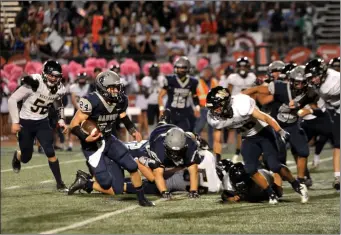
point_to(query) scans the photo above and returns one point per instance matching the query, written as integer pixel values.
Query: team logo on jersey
(222, 94)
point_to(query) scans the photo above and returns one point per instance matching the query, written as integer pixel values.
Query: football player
(104, 106)
(240, 111)
(152, 85)
(327, 84)
(37, 94)
(179, 87)
(77, 90)
(243, 78)
(288, 99)
(284, 75)
(238, 185)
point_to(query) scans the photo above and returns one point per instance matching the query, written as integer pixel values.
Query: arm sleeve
(17, 96)
(60, 108)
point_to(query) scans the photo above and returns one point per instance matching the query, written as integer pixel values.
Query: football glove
(284, 136)
(166, 195)
(193, 194)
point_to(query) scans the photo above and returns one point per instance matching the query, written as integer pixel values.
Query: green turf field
(30, 204)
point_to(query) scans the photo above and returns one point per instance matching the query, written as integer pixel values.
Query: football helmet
(284, 75)
(298, 82)
(175, 144)
(223, 168)
(154, 70)
(52, 73)
(316, 72)
(109, 85)
(82, 78)
(239, 178)
(116, 68)
(218, 101)
(182, 66)
(243, 66)
(275, 67)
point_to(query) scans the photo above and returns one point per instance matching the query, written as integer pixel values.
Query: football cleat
(61, 187)
(304, 193)
(273, 199)
(145, 202)
(336, 183)
(84, 174)
(16, 164)
(80, 183)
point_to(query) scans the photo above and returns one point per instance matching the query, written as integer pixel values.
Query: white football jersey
(207, 172)
(243, 107)
(239, 83)
(79, 91)
(330, 90)
(35, 104)
(154, 87)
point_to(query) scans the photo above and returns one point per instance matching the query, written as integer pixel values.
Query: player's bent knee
(128, 163)
(25, 156)
(49, 152)
(104, 179)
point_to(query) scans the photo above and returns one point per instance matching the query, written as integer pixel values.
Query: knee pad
(128, 163)
(104, 179)
(49, 152)
(26, 156)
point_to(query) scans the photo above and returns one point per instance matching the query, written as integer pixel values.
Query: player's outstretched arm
(257, 89)
(61, 116)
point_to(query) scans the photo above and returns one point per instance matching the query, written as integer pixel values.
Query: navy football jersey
(178, 92)
(101, 112)
(156, 145)
(282, 96)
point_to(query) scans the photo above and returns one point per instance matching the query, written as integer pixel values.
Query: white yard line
(46, 181)
(109, 214)
(44, 165)
(13, 187)
(89, 221)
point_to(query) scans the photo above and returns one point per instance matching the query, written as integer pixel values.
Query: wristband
(77, 131)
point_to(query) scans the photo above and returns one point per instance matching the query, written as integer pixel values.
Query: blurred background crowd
(87, 37)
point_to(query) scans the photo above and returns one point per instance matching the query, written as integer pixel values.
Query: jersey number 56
(40, 107)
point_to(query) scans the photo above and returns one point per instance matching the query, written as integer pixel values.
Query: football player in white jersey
(240, 111)
(38, 93)
(243, 78)
(77, 90)
(327, 84)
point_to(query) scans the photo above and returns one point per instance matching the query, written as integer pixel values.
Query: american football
(90, 127)
(170, 117)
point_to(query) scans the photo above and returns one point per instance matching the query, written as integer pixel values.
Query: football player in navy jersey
(104, 106)
(289, 97)
(180, 87)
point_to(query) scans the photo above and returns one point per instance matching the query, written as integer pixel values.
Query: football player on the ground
(77, 90)
(179, 87)
(240, 111)
(170, 147)
(288, 99)
(38, 93)
(238, 185)
(104, 106)
(243, 78)
(327, 84)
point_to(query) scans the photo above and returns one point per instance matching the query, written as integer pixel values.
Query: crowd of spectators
(153, 29)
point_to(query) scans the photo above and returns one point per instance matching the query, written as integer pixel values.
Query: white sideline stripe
(107, 215)
(310, 163)
(46, 181)
(88, 221)
(42, 165)
(13, 187)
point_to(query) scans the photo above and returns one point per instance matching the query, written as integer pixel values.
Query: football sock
(269, 191)
(140, 193)
(301, 180)
(237, 151)
(296, 186)
(336, 174)
(316, 158)
(54, 166)
(218, 155)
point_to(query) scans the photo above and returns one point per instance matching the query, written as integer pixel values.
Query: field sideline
(30, 204)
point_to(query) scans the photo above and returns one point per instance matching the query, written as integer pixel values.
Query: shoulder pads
(30, 81)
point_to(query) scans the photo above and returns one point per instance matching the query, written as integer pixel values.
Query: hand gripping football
(90, 127)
